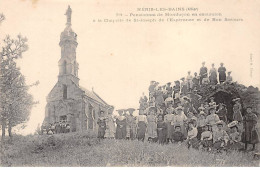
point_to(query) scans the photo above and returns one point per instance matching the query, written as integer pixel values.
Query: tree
(16, 102)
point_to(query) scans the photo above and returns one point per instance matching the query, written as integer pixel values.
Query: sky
(120, 59)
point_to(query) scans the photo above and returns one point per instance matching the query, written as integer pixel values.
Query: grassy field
(86, 150)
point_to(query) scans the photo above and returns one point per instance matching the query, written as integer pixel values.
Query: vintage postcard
(137, 83)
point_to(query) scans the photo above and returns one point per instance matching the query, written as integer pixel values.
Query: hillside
(86, 150)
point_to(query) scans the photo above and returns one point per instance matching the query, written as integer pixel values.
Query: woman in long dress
(121, 125)
(213, 75)
(110, 126)
(141, 122)
(180, 119)
(234, 142)
(101, 125)
(130, 125)
(251, 133)
(169, 121)
(222, 112)
(212, 118)
(237, 116)
(152, 125)
(161, 129)
(222, 73)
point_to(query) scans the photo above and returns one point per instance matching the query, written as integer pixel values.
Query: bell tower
(68, 66)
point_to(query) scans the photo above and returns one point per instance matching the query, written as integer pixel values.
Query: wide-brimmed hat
(177, 125)
(222, 104)
(232, 124)
(201, 108)
(131, 109)
(169, 83)
(120, 110)
(249, 106)
(202, 113)
(186, 98)
(220, 123)
(212, 107)
(183, 78)
(179, 108)
(152, 108)
(236, 99)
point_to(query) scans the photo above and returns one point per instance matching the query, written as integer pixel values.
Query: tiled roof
(93, 95)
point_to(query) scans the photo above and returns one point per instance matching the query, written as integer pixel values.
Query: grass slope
(85, 150)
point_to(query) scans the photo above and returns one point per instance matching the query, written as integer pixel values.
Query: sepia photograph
(111, 83)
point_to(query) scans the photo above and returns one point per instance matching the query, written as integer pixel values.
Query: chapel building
(68, 101)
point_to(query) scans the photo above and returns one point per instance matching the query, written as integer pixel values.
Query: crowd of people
(176, 114)
(54, 128)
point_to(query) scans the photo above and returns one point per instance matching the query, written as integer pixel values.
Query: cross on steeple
(68, 13)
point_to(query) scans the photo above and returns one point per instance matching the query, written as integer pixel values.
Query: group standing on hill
(175, 114)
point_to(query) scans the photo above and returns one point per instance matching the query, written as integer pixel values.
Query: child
(192, 136)
(220, 136)
(177, 136)
(206, 137)
(161, 129)
(234, 137)
(201, 122)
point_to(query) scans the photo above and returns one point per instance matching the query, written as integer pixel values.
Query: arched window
(65, 89)
(65, 67)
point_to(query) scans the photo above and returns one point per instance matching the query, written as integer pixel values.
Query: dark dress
(195, 82)
(169, 90)
(222, 74)
(250, 135)
(177, 137)
(222, 114)
(120, 129)
(159, 97)
(141, 130)
(161, 131)
(101, 127)
(203, 70)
